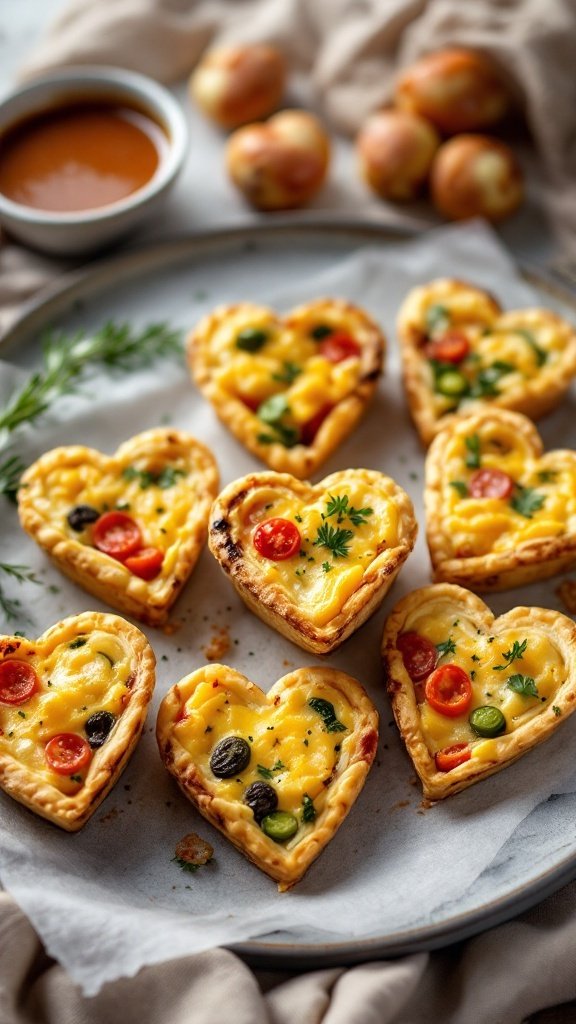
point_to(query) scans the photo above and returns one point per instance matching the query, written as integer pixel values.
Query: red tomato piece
(452, 347)
(67, 753)
(339, 346)
(18, 681)
(451, 757)
(146, 563)
(277, 539)
(418, 654)
(449, 691)
(490, 483)
(117, 535)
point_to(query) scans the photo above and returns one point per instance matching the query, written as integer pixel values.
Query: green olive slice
(280, 826)
(487, 721)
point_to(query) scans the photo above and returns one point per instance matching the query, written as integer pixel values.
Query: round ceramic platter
(182, 279)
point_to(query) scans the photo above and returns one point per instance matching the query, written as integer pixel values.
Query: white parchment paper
(110, 899)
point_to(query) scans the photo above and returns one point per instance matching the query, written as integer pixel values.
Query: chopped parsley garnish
(527, 501)
(473, 451)
(460, 487)
(437, 319)
(308, 809)
(485, 385)
(271, 412)
(22, 714)
(335, 539)
(288, 373)
(78, 642)
(516, 652)
(327, 566)
(326, 711)
(321, 331)
(540, 353)
(297, 518)
(251, 339)
(524, 685)
(268, 773)
(337, 505)
(446, 647)
(164, 479)
(557, 711)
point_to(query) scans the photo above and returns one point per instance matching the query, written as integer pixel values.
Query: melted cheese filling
(75, 682)
(494, 340)
(254, 377)
(288, 739)
(478, 526)
(315, 579)
(161, 513)
(478, 653)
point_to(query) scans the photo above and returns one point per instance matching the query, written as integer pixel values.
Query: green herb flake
(78, 642)
(251, 339)
(547, 476)
(268, 773)
(460, 487)
(22, 714)
(540, 354)
(321, 331)
(327, 713)
(446, 647)
(516, 652)
(308, 809)
(327, 566)
(473, 451)
(288, 373)
(557, 711)
(75, 778)
(298, 518)
(437, 319)
(524, 685)
(526, 501)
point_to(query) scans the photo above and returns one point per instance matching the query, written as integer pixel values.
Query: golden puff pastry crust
(499, 512)
(460, 352)
(310, 740)
(521, 671)
(290, 389)
(163, 480)
(313, 561)
(92, 676)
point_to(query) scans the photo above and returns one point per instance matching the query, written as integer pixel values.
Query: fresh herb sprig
(11, 607)
(327, 713)
(338, 505)
(335, 539)
(526, 501)
(516, 652)
(446, 647)
(11, 470)
(473, 454)
(69, 360)
(525, 685)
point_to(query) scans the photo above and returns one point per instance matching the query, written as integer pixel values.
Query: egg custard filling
(72, 706)
(276, 773)
(460, 349)
(276, 382)
(306, 552)
(142, 513)
(470, 690)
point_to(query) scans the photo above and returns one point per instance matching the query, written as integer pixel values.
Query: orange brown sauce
(79, 157)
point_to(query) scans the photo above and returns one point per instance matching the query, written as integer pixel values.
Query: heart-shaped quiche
(499, 513)
(313, 562)
(471, 693)
(72, 707)
(460, 350)
(129, 527)
(289, 389)
(277, 773)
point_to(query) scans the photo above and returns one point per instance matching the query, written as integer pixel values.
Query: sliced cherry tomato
(67, 753)
(117, 535)
(451, 757)
(449, 691)
(418, 654)
(146, 563)
(452, 347)
(312, 426)
(277, 539)
(18, 681)
(339, 346)
(490, 483)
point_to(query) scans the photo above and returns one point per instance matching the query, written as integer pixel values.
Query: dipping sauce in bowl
(80, 157)
(86, 154)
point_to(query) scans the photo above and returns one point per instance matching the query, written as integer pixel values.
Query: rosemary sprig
(11, 470)
(66, 361)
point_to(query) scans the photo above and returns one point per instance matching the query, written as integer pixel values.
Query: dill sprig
(11, 607)
(11, 470)
(335, 539)
(337, 505)
(67, 360)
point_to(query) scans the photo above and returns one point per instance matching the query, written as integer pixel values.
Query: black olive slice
(261, 798)
(229, 757)
(81, 516)
(98, 727)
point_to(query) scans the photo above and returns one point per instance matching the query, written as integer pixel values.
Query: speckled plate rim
(117, 269)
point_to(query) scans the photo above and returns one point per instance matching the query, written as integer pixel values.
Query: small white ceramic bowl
(85, 231)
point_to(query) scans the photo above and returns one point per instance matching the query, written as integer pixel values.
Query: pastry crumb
(172, 627)
(567, 594)
(192, 851)
(219, 644)
(399, 804)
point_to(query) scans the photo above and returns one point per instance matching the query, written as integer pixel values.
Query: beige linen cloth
(526, 969)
